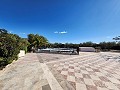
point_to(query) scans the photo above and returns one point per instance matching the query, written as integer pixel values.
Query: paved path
(87, 71)
(24, 74)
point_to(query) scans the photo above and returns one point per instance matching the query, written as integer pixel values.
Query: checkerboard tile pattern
(91, 73)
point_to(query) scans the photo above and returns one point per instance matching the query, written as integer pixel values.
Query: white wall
(21, 54)
(87, 49)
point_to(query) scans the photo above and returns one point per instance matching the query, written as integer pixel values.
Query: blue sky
(62, 21)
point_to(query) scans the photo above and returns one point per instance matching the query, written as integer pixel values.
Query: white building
(87, 49)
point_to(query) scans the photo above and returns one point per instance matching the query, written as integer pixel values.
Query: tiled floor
(89, 71)
(42, 71)
(24, 74)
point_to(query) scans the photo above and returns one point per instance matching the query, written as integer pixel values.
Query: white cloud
(56, 32)
(63, 32)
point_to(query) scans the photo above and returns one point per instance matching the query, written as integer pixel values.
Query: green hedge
(10, 46)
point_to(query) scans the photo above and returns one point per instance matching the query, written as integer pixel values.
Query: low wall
(22, 53)
(87, 49)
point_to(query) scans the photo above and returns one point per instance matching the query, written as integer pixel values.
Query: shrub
(24, 44)
(10, 45)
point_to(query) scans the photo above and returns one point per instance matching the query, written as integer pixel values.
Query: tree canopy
(37, 41)
(10, 46)
(116, 38)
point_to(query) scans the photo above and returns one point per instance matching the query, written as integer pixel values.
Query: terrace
(87, 71)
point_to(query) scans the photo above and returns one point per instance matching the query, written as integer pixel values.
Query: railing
(58, 50)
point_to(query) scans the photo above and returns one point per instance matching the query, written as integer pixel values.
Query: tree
(117, 38)
(9, 48)
(87, 44)
(10, 45)
(24, 44)
(107, 45)
(37, 41)
(3, 31)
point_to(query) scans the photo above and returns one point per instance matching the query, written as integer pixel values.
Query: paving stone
(73, 84)
(114, 80)
(89, 69)
(71, 73)
(59, 68)
(99, 84)
(99, 88)
(110, 85)
(79, 75)
(91, 87)
(116, 76)
(71, 70)
(103, 78)
(71, 78)
(80, 86)
(99, 73)
(64, 72)
(79, 80)
(89, 82)
(94, 77)
(77, 68)
(84, 72)
(46, 87)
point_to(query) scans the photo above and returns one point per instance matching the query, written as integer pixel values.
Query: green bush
(24, 45)
(10, 46)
